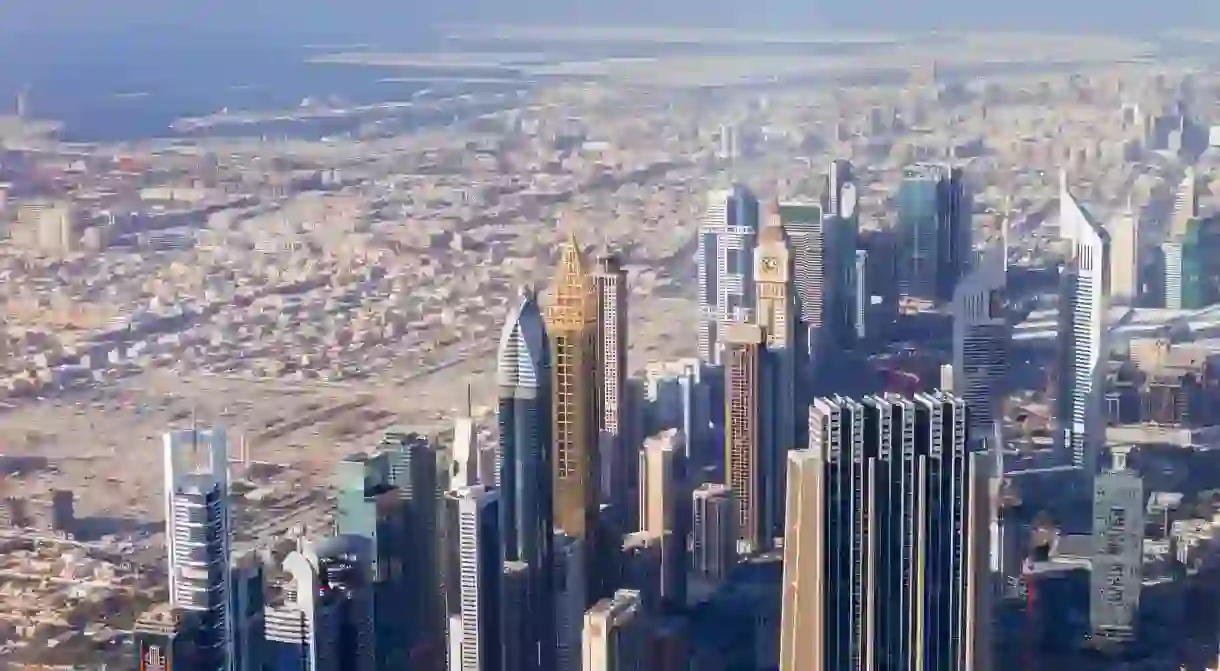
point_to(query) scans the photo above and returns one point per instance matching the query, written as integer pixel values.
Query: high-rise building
(614, 634)
(813, 285)
(981, 340)
(664, 495)
(775, 313)
(840, 198)
(1171, 254)
(811, 270)
(610, 282)
(934, 217)
(680, 395)
(1118, 558)
(414, 472)
(1088, 292)
(713, 533)
(642, 567)
(475, 574)
(370, 507)
(885, 554)
(520, 650)
(861, 301)
(525, 381)
(571, 322)
(247, 582)
(1125, 278)
(1185, 204)
(198, 537)
(726, 270)
(744, 464)
(164, 639)
(324, 618)
(571, 597)
(466, 455)
(842, 223)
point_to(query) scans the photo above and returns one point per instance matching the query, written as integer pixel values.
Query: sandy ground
(105, 444)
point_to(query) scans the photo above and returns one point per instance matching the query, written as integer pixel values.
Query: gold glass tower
(571, 321)
(744, 469)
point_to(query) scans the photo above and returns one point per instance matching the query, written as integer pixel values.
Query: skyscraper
(571, 322)
(413, 472)
(842, 223)
(571, 597)
(475, 575)
(934, 217)
(1088, 293)
(861, 298)
(610, 281)
(372, 508)
(1118, 558)
(613, 634)
(775, 314)
(981, 340)
(813, 286)
(885, 555)
(713, 533)
(725, 262)
(198, 537)
(325, 621)
(525, 382)
(840, 198)
(247, 583)
(744, 464)
(1171, 254)
(164, 639)
(1125, 257)
(1185, 204)
(664, 496)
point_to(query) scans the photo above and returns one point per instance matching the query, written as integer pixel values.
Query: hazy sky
(390, 20)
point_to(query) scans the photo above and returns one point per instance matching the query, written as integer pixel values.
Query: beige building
(47, 226)
(1124, 258)
(614, 634)
(663, 495)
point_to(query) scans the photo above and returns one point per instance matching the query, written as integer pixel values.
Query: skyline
(384, 20)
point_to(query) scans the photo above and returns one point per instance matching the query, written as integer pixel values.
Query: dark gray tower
(523, 373)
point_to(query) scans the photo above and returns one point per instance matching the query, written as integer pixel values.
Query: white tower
(1088, 300)
(197, 529)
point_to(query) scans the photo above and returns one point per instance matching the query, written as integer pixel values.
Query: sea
(120, 87)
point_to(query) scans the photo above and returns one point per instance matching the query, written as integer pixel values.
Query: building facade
(198, 537)
(744, 464)
(617, 463)
(1084, 315)
(525, 382)
(571, 322)
(981, 341)
(613, 636)
(725, 265)
(885, 555)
